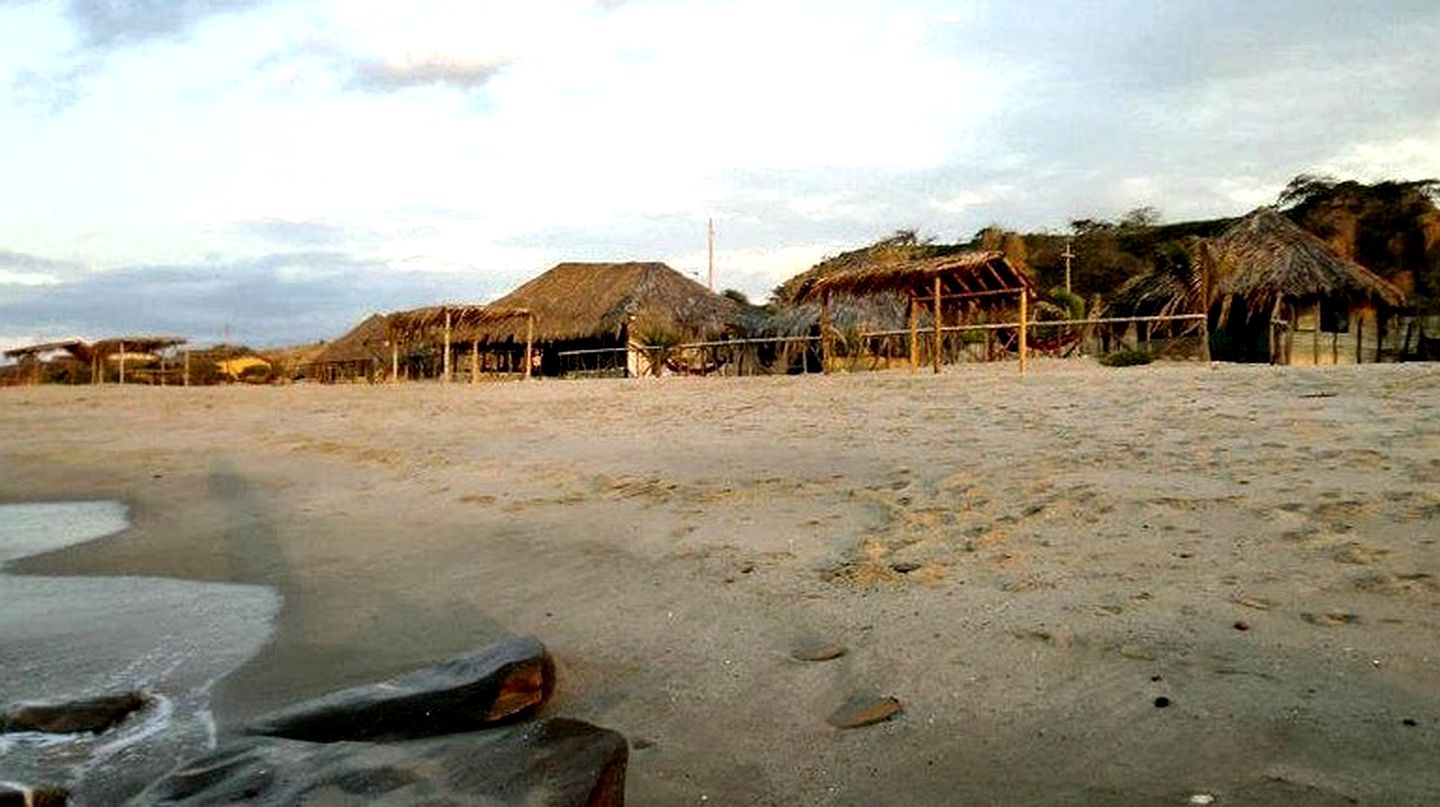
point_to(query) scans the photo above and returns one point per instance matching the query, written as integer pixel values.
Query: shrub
(1126, 358)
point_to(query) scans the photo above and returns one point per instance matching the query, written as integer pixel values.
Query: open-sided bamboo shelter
(606, 311)
(1282, 295)
(425, 339)
(954, 288)
(121, 358)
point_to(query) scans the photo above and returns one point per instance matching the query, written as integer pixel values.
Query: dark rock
(817, 650)
(16, 795)
(505, 681)
(905, 566)
(1162, 702)
(863, 710)
(68, 717)
(549, 762)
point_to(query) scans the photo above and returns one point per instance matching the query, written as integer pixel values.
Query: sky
(272, 171)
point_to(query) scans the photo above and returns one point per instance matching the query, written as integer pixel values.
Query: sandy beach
(1029, 565)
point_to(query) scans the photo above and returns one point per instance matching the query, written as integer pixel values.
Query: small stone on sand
(863, 710)
(817, 650)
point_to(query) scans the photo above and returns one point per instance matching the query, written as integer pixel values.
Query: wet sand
(1255, 545)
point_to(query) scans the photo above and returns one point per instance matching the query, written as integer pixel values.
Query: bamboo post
(1024, 315)
(825, 332)
(187, 367)
(914, 334)
(122, 362)
(529, 342)
(394, 362)
(474, 362)
(445, 361)
(1204, 309)
(1315, 337)
(1360, 337)
(935, 361)
(94, 367)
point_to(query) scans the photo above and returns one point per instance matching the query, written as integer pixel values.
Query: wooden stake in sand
(187, 368)
(475, 362)
(122, 360)
(914, 334)
(446, 361)
(938, 323)
(825, 332)
(1024, 314)
(1315, 337)
(394, 362)
(529, 341)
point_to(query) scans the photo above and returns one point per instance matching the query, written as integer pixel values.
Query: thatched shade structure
(1267, 270)
(606, 306)
(95, 354)
(976, 279)
(583, 301)
(445, 325)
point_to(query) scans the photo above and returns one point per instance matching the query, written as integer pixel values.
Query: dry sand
(1079, 544)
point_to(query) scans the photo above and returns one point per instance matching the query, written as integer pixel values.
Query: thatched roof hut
(1265, 257)
(582, 301)
(1260, 281)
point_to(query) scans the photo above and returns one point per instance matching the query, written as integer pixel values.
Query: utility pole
(1068, 254)
(710, 248)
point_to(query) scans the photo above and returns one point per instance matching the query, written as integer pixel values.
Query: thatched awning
(467, 323)
(1265, 256)
(86, 351)
(45, 347)
(968, 273)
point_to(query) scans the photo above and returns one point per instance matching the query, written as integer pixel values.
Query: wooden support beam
(122, 361)
(1315, 337)
(446, 361)
(475, 362)
(914, 334)
(1359, 327)
(938, 325)
(394, 362)
(1204, 310)
(1024, 317)
(529, 342)
(187, 367)
(825, 332)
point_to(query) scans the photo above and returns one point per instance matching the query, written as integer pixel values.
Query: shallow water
(64, 637)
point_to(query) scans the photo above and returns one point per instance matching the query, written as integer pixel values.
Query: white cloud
(11, 277)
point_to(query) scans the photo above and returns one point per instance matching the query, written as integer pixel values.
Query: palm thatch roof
(86, 351)
(364, 342)
(597, 300)
(962, 273)
(45, 347)
(467, 323)
(1265, 256)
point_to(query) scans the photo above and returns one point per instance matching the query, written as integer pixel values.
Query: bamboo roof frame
(967, 274)
(466, 323)
(87, 351)
(983, 276)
